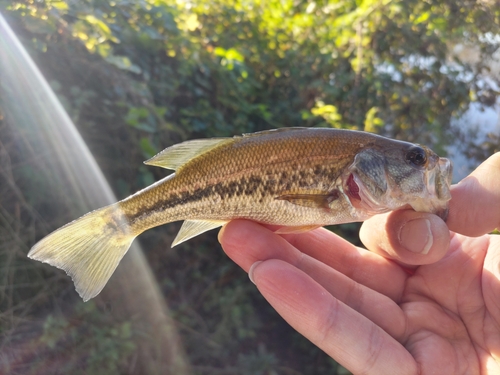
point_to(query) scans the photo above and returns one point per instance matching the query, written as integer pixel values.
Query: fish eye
(416, 156)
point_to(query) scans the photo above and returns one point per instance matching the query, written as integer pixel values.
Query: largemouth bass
(298, 178)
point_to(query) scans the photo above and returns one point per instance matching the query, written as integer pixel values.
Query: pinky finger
(347, 336)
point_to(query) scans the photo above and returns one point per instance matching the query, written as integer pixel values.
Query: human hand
(423, 300)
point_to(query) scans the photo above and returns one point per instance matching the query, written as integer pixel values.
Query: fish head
(395, 175)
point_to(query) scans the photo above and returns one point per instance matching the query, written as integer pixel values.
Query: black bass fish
(299, 178)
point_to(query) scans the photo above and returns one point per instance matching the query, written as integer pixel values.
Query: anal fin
(192, 228)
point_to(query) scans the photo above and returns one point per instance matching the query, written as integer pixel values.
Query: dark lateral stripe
(271, 184)
(225, 190)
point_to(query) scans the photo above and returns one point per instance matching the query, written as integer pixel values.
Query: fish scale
(254, 174)
(299, 178)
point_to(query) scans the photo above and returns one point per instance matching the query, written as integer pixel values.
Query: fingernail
(416, 236)
(252, 268)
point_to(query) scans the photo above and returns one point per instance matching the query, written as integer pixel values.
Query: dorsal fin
(273, 131)
(177, 155)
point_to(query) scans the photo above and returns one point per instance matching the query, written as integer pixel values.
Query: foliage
(224, 67)
(138, 76)
(98, 347)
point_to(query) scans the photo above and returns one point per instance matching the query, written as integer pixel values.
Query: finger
(344, 334)
(475, 203)
(409, 237)
(375, 306)
(491, 277)
(378, 308)
(364, 267)
(246, 242)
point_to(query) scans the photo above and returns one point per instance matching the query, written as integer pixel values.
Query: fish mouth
(443, 188)
(438, 188)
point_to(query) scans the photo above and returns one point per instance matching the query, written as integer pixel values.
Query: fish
(296, 178)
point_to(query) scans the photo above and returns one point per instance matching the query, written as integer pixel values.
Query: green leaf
(328, 112)
(123, 62)
(100, 24)
(373, 123)
(60, 5)
(148, 150)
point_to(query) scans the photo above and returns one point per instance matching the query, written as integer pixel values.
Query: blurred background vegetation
(137, 76)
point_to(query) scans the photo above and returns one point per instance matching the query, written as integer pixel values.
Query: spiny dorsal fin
(177, 155)
(278, 130)
(192, 228)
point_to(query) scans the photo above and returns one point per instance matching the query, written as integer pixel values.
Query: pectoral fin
(192, 228)
(311, 200)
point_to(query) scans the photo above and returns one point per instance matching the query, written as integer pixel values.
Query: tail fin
(88, 249)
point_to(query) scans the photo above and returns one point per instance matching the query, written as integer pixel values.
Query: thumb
(475, 202)
(406, 236)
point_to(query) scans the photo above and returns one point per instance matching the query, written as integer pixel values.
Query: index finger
(369, 269)
(349, 337)
(247, 242)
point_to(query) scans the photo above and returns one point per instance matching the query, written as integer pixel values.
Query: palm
(438, 318)
(450, 309)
